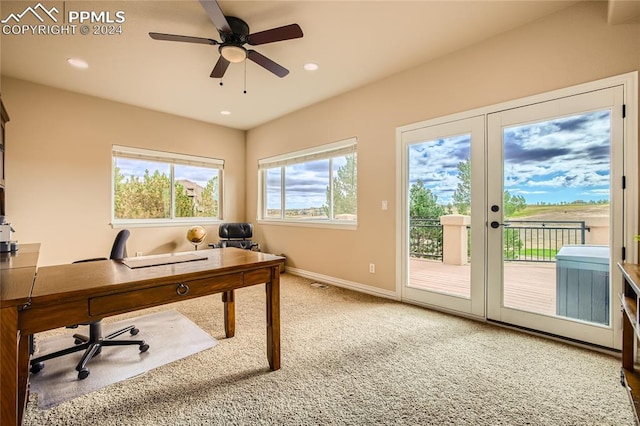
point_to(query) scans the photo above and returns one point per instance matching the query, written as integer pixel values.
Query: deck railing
(524, 240)
(425, 238)
(540, 241)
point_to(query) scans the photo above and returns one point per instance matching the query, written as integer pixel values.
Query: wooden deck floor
(529, 286)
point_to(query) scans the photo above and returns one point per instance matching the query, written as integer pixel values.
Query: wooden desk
(629, 375)
(85, 292)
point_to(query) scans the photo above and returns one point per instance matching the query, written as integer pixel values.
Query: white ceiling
(354, 43)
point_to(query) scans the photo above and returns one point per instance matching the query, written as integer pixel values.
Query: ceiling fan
(234, 33)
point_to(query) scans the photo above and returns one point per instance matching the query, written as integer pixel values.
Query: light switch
(385, 205)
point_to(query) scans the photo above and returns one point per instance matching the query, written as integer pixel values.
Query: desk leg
(9, 366)
(273, 319)
(23, 374)
(229, 313)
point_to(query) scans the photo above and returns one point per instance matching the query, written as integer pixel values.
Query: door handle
(496, 224)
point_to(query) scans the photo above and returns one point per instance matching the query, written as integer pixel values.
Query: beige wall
(567, 48)
(58, 172)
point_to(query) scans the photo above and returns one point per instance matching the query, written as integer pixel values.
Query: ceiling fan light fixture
(233, 54)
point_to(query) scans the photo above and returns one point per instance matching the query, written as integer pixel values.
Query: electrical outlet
(372, 268)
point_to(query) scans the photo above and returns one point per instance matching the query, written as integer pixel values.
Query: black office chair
(92, 344)
(236, 235)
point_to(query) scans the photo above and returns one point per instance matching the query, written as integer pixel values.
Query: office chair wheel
(83, 374)
(144, 347)
(134, 331)
(37, 367)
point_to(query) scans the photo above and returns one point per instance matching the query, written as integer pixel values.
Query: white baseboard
(362, 288)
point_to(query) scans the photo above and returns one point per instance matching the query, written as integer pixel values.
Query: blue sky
(564, 159)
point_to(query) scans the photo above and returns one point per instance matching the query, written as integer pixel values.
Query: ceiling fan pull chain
(245, 77)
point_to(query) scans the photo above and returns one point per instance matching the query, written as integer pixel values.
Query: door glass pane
(439, 215)
(556, 216)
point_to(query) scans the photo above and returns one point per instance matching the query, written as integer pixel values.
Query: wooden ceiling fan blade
(267, 63)
(220, 68)
(216, 15)
(287, 32)
(186, 39)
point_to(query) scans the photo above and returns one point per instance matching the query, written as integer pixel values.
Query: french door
(443, 264)
(553, 270)
(516, 214)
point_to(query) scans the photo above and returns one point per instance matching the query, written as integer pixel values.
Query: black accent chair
(236, 235)
(92, 344)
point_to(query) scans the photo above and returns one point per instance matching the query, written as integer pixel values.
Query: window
(161, 187)
(313, 185)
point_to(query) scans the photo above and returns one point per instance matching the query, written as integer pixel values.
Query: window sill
(331, 224)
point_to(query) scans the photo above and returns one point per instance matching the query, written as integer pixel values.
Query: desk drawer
(258, 276)
(127, 301)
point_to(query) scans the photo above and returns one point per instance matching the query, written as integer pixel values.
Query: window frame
(172, 159)
(323, 152)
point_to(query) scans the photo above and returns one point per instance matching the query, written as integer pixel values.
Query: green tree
(513, 203)
(423, 204)
(118, 196)
(209, 202)
(185, 206)
(144, 198)
(462, 195)
(425, 239)
(149, 197)
(345, 189)
(153, 194)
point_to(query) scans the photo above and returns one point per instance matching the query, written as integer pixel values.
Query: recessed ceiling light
(311, 66)
(78, 63)
(225, 112)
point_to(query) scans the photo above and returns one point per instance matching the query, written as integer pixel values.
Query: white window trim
(334, 149)
(167, 157)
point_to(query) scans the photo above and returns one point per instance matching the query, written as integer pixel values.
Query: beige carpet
(169, 334)
(354, 359)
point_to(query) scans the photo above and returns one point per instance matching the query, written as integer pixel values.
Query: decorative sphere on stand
(196, 235)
